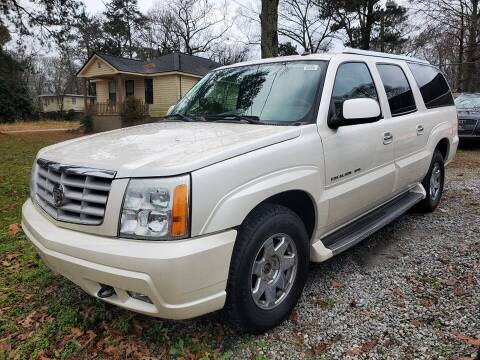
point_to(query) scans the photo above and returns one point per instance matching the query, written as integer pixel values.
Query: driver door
(359, 159)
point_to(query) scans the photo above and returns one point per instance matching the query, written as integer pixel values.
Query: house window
(112, 91)
(74, 100)
(149, 91)
(129, 88)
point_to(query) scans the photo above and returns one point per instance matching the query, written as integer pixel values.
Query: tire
(433, 184)
(268, 224)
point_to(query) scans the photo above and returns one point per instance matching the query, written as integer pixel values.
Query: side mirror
(357, 111)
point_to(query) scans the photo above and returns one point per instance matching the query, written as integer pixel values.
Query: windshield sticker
(310, 68)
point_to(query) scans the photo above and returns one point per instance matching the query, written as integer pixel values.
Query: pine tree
(123, 21)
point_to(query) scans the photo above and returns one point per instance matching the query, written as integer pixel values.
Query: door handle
(420, 130)
(387, 138)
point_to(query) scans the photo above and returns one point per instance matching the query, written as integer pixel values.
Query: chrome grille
(83, 192)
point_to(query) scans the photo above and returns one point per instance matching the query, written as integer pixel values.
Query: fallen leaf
(293, 317)
(9, 207)
(336, 284)
(76, 332)
(416, 323)
(398, 293)
(448, 282)
(13, 255)
(458, 290)
(319, 349)
(466, 339)
(363, 349)
(355, 351)
(110, 350)
(13, 229)
(137, 328)
(468, 280)
(426, 302)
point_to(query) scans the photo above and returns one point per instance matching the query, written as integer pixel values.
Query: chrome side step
(360, 229)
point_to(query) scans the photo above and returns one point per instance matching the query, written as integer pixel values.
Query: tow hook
(105, 291)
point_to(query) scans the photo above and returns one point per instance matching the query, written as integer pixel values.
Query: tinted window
(399, 93)
(149, 91)
(353, 81)
(129, 88)
(433, 86)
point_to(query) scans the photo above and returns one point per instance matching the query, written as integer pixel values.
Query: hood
(169, 148)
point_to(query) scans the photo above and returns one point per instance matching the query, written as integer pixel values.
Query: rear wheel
(433, 184)
(268, 269)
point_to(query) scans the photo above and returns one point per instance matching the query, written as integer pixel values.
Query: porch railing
(111, 108)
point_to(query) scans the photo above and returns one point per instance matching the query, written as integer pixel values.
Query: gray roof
(189, 64)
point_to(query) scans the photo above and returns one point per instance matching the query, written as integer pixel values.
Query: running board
(362, 228)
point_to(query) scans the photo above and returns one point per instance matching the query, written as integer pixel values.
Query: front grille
(72, 193)
(466, 125)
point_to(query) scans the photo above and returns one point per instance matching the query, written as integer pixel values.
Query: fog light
(140, 296)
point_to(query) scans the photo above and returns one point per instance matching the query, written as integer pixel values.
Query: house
(67, 102)
(159, 83)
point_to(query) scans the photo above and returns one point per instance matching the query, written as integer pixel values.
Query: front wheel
(433, 184)
(268, 269)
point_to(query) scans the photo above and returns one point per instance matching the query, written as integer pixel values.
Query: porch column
(120, 89)
(85, 94)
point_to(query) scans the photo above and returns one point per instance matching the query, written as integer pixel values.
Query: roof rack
(383, 55)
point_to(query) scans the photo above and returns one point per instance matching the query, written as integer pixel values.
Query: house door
(112, 91)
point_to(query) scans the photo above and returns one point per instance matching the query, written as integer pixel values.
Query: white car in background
(263, 167)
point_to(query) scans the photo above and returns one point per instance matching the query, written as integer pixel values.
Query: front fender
(234, 207)
(223, 194)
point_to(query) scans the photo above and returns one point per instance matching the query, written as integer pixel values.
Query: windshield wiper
(181, 116)
(235, 117)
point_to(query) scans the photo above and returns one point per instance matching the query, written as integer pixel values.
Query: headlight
(156, 209)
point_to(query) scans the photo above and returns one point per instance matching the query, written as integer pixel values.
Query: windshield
(267, 93)
(468, 101)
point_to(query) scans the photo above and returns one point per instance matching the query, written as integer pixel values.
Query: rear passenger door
(405, 121)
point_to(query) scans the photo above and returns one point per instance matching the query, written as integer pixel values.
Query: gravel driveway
(411, 291)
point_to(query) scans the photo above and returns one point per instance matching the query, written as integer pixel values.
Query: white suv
(262, 167)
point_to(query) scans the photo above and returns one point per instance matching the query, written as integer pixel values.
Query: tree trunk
(367, 29)
(471, 50)
(269, 28)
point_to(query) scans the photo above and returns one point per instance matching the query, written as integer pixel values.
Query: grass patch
(43, 314)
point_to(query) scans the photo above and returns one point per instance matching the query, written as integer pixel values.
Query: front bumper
(183, 279)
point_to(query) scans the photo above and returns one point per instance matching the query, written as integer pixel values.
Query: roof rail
(383, 55)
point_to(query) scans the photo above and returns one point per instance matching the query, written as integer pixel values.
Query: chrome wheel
(273, 271)
(435, 181)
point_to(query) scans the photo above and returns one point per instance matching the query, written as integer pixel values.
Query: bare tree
(227, 54)
(300, 22)
(269, 28)
(457, 22)
(193, 26)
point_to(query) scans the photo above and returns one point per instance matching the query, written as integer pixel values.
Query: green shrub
(86, 123)
(69, 115)
(132, 112)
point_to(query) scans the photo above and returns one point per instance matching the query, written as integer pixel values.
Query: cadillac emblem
(58, 195)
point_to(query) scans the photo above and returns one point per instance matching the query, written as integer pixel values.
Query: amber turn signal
(180, 211)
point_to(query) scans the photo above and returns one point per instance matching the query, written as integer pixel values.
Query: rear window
(399, 93)
(433, 86)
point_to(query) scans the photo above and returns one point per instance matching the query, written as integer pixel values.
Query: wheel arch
(300, 202)
(444, 147)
